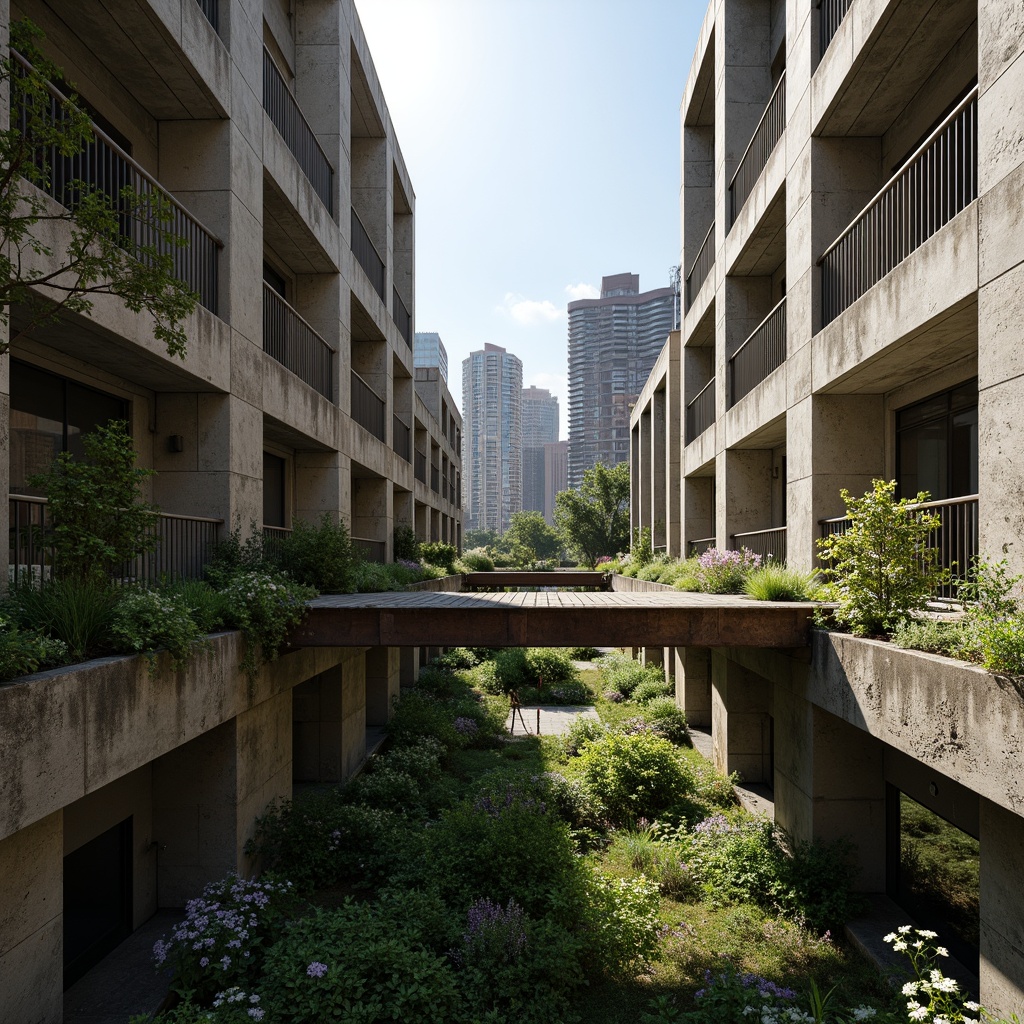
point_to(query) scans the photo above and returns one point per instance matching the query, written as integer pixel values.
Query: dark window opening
(275, 280)
(273, 490)
(97, 899)
(49, 415)
(937, 445)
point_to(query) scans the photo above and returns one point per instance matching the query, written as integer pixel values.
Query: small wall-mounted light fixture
(176, 443)
(933, 789)
(775, 472)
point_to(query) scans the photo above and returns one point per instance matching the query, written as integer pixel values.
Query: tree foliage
(102, 241)
(882, 570)
(594, 520)
(529, 538)
(100, 522)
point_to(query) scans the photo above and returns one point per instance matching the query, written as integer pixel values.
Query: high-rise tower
(613, 344)
(540, 427)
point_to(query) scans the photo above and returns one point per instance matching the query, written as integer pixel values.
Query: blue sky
(542, 138)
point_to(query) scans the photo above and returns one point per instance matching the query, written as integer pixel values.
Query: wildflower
(941, 951)
(316, 969)
(863, 1012)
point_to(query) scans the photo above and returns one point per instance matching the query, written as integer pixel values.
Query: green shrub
(634, 776)
(319, 555)
(576, 804)
(1001, 644)
(512, 671)
(580, 733)
(882, 569)
(583, 653)
(775, 582)
(651, 689)
(456, 658)
(477, 561)
(625, 674)
(668, 719)
(206, 606)
(641, 550)
(146, 620)
(420, 714)
(952, 639)
(99, 522)
(621, 924)
(23, 651)
(405, 543)
(440, 554)
(355, 964)
(439, 681)
(570, 694)
(552, 665)
(77, 612)
(379, 577)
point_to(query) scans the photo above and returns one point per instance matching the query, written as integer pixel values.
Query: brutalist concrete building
(853, 263)
(266, 125)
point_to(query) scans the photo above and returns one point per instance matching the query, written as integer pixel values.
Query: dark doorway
(97, 899)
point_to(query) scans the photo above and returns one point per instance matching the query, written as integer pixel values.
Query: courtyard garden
(606, 875)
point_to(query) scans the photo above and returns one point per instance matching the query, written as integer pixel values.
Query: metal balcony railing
(370, 550)
(211, 8)
(763, 352)
(366, 255)
(184, 544)
(769, 544)
(702, 265)
(762, 143)
(402, 317)
(368, 408)
(933, 186)
(402, 434)
(105, 167)
(956, 538)
(287, 118)
(830, 18)
(295, 345)
(696, 548)
(420, 467)
(435, 479)
(700, 413)
(273, 539)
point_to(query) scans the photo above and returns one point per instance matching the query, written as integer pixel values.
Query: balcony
(956, 538)
(700, 413)
(939, 181)
(701, 266)
(295, 345)
(763, 352)
(769, 544)
(435, 479)
(211, 8)
(420, 467)
(184, 544)
(108, 169)
(830, 17)
(287, 118)
(369, 550)
(762, 143)
(367, 256)
(368, 408)
(401, 315)
(696, 548)
(402, 433)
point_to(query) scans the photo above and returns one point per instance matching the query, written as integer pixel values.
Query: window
(274, 511)
(49, 415)
(937, 444)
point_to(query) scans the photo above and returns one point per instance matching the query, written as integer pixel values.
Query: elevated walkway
(452, 617)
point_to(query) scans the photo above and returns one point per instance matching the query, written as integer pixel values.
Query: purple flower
(316, 969)
(466, 726)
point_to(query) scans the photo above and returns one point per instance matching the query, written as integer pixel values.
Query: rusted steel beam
(559, 578)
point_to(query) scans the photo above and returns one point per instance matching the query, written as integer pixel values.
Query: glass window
(273, 490)
(937, 444)
(49, 414)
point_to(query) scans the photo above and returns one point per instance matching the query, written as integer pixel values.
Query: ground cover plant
(606, 876)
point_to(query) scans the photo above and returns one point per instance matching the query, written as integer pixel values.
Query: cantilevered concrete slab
(551, 619)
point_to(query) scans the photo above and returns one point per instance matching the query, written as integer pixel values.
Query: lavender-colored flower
(717, 824)
(316, 969)
(613, 696)
(466, 726)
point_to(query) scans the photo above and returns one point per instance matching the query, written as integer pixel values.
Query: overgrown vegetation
(466, 877)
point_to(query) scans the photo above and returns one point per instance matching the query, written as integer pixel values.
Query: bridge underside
(551, 619)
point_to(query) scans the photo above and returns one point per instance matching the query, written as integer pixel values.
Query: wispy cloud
(530, 312)
(581, 291)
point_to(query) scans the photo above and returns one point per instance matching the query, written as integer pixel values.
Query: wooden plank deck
(551, 619)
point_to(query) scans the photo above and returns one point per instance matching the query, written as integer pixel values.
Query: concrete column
(698, 510)
(635, 462)
(659, 467)
(1002, 910)
(835, 441)
(1001, 281)
(693, 684)
(409, 665)
(674, 449)
(646, 471)
(830, 783)
(740, 712)
(32, 923)
(371, 510)
(652, 656)
(322, 484)
(383, 681)
(745, 483)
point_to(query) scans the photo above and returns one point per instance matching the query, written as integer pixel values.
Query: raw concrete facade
(853, 265)
(297, 398)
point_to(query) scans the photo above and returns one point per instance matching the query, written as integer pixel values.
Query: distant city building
(613, 344)
(556, 475)
(540, 427)
(428, 351)
(492, 438)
